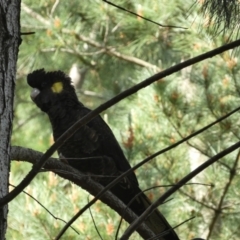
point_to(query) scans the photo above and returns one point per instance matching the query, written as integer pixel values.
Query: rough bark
(9, 42)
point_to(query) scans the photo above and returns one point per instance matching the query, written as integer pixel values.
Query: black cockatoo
(53, 94)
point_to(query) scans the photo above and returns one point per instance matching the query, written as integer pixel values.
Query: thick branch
(84, 181)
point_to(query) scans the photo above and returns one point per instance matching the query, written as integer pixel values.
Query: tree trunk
(9, 43)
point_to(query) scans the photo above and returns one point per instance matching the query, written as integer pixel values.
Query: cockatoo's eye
(44, 84)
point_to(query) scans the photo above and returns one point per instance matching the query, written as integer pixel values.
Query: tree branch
(84, 181)
(140, 16)
(112, 51)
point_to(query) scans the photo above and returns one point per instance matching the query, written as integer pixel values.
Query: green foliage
(109, 43)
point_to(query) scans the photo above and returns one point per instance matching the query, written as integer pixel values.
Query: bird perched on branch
(93, 148)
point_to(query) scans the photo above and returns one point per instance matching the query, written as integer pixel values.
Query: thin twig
(95, 225)
(34, 14)
(196, 200)
(218, 210)
(111, 51)
(57, 218)
(54, 7)
(165, 232)
(27, 33)
(147, 19)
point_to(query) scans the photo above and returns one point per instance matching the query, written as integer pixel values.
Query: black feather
(41, 79)
(95, 141)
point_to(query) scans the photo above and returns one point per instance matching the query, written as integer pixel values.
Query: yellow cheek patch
(57, 87)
